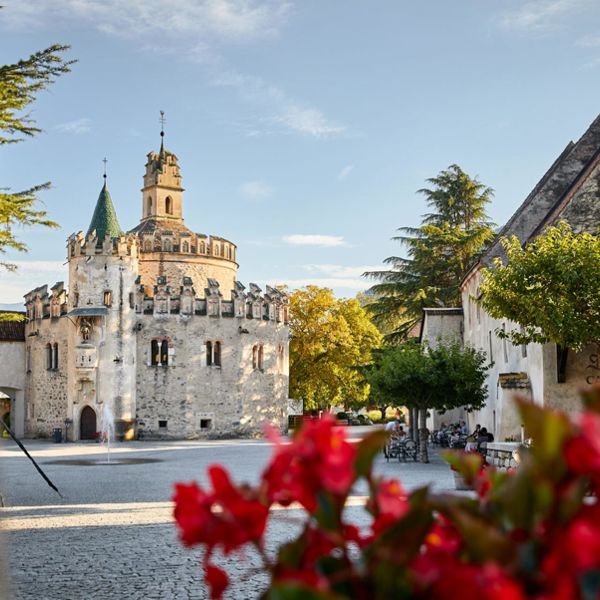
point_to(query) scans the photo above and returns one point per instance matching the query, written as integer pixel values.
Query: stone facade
(568, 191)
(12, 373)
(155, 331)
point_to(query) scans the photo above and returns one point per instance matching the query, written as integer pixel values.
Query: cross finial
(104, 161)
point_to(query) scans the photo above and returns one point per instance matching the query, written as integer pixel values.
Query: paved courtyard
(112, 533)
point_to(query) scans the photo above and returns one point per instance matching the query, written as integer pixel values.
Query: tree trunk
(383, 409)
(423, 436)
(414, 424)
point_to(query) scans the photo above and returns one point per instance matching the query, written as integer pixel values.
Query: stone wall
(500, 454)
(188, 398)
(176, 266)
(46, 389)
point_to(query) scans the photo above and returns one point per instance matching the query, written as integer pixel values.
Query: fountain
(107, 428)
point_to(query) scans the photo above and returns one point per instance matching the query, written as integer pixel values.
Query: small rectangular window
(162, 424)
(108, 298)
(205, 423)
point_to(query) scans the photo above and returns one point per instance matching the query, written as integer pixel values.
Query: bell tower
(162, 194)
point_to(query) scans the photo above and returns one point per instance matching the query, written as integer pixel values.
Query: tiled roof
(11, 331)
(105, 219)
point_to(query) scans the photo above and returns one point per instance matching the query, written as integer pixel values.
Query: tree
(19, 84)
(549, 288)
(423, 378)
(330, 340)
(439, 252)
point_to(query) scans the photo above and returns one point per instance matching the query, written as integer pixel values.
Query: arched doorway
(87, 424)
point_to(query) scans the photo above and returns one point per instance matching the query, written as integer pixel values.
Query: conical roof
(104, 220)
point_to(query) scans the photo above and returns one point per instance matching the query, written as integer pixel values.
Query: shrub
(528, 533)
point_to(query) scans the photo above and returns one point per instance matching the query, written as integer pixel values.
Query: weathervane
(162, 129)
(104, 161)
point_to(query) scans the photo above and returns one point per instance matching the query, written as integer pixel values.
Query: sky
(303, 128)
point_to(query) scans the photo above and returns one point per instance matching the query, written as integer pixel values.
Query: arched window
(107, 298)
(148, 206)
(216, 249)
(159, 352)
(255, 357)
(217, 354)
(169, 205)
(201, 248)
(209, 354)
(185, 247)
(261, 355)
(155, 354)
(147, 245)
(227, 253)
(49, 356)
(223, 251)
(167, 245)
(55, 357)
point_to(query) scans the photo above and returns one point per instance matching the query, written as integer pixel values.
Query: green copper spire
(105, 219)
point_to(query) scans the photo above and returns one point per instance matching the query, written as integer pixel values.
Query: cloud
(286, 112)
(345, 172)
(29, 275)
(342, 271)
(314, 240)
(589, 41)
(308, 121)
(77, 127)
(194, 29)
(330, 282)
(256, 190)
(541, 15)
(236, 20)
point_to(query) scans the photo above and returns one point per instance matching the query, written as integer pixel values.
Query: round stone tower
(167, 247)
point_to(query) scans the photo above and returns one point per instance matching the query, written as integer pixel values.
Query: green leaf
(549, 430)
(468, 464)
(297, 591)
(368, 448)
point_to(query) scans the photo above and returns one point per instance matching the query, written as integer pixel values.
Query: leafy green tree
(422, 378)
(330, 340)
(19, 84)
(549, 288)
(438, 253)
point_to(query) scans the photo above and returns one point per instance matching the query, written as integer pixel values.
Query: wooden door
(87, 424)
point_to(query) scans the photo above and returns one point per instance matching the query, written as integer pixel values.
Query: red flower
(228, 516)
(390, 505)
(319, 458)
(575, 549)
(582, 452)
(473, 582)
(216, 579)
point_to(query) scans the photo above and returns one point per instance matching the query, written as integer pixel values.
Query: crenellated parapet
(41, 304)
(169, 299)
(79, 245)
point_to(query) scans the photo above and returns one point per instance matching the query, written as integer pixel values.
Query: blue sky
(303, 128)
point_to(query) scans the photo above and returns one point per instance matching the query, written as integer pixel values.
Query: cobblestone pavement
(112, 534)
